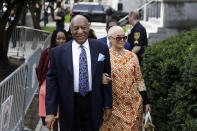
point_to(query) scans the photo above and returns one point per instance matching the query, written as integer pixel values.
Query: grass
(50, 29)
(67, 18)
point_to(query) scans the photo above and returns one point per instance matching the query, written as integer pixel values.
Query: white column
(162, 12)
(71, 4)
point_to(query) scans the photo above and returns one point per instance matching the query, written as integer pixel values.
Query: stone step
(156, 37)
(155, 20)
(150, 27)
(159, 32)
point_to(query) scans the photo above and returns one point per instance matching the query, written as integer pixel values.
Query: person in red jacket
(59, 37)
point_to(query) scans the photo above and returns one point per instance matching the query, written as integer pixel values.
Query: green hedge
(170, 72)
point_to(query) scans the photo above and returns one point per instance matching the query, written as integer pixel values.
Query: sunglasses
(118, 38)
(109, 27)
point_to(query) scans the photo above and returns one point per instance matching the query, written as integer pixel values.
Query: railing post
(145, 11)
(24, 88)
(157, 11)
(23, 40)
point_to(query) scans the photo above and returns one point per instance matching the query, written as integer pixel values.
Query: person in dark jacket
(15, 33)
(137, 37)
(59, 18)
(58, 37)
(109, 12)
(46, 20)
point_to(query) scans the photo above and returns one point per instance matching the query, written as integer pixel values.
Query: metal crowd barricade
(46, 43)
(14, 85)
(22, 84)
(22, 44)
(32, 82)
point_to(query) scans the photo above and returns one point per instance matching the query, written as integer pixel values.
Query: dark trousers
(82, 113)
(13, 37)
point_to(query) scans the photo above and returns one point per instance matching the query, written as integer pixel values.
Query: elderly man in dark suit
(74, 82)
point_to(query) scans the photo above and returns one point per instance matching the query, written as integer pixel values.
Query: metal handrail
(24, 40)
(33, 29)
(8, 77)
(146, 4)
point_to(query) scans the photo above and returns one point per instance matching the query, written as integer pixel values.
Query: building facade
(128, 5)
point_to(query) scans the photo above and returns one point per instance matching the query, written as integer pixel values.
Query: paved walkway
(40, 126)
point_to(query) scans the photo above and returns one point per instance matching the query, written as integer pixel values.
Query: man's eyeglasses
(118, 38)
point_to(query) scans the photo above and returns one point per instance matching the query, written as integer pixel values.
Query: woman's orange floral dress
(127, 81)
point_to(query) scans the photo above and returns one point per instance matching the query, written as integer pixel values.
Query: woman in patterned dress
(128, 88)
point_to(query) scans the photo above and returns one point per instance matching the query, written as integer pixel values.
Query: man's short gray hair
(113, 30)
(135, 15)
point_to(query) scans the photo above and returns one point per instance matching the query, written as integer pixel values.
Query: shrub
(170, 72)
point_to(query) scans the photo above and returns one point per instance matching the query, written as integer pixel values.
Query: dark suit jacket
(126, 46)
(60, 83)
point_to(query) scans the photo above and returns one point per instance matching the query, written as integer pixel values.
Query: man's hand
(147, 108)
(57, 18)
(106, 79)
(107, 114)
(136, 49)
(50, 119)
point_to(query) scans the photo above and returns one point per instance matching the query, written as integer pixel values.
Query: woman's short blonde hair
(113, 30)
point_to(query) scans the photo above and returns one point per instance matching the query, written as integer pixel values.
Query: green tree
(35, 7)
(6, 32)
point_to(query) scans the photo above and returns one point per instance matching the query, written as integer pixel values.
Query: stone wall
(129, 5)
(179, 14)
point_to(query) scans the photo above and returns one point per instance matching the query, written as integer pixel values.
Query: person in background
(14, 34)
(137, 37)
(59, 18)
(74, 81)
(128, 87)
(105, 39)
(109, 12)
(11, 17)
(46, 14)
(59, 37)
(51, 10)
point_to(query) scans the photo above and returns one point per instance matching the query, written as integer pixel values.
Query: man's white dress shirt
(76, 50)
(108, 43)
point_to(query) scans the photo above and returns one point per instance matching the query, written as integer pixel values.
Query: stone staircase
(155, 30)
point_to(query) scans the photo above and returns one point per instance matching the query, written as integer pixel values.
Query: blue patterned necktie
(83, 72)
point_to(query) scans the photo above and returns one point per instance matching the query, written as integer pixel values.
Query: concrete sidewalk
(40, 126)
